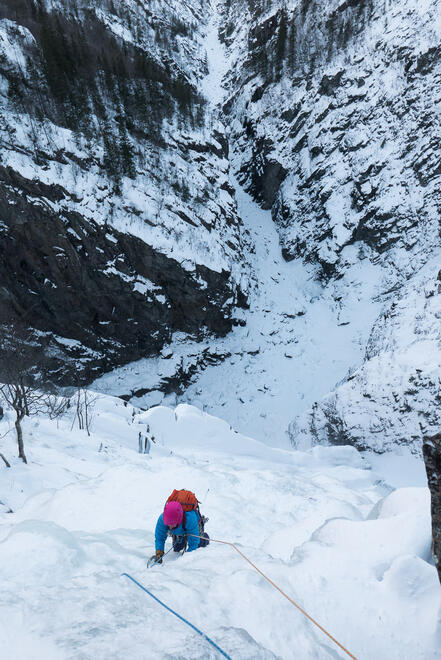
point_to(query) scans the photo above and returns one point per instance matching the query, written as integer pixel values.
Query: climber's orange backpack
(186, 499)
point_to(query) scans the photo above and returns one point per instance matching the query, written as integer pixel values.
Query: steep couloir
(334, 111)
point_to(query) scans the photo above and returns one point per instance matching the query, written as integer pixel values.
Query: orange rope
(282, 592)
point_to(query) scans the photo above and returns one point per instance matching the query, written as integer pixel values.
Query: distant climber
(183, 521)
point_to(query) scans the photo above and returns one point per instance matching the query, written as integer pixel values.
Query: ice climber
(182, 521)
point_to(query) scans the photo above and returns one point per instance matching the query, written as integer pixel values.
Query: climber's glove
(158, 556)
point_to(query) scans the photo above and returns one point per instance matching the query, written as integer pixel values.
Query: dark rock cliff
(432, 458)
(74, 279)
(117, 222)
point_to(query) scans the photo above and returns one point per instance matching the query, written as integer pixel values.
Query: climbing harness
(282, 592)
(210, 641)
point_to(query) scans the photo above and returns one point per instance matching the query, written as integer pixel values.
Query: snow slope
(319, 523)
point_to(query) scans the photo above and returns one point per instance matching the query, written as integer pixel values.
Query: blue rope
(178, 615)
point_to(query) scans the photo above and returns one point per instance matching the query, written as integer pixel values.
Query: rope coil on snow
(282, 592)
(210, 641)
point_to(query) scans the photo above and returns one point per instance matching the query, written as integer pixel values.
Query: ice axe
(154, 559)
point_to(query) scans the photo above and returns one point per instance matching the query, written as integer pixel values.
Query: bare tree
(25, 401)
(21, 368)
(56, 406)
(84, 401)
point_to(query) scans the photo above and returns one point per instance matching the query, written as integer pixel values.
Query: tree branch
(8, 465)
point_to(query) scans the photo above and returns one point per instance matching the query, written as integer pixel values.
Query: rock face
(335, 118)
(101, 288)
(117, 222)
(395, 396)
(335, 124)
(432, 458)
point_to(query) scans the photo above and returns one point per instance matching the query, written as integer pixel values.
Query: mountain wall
(117, 222)
(335, 123)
